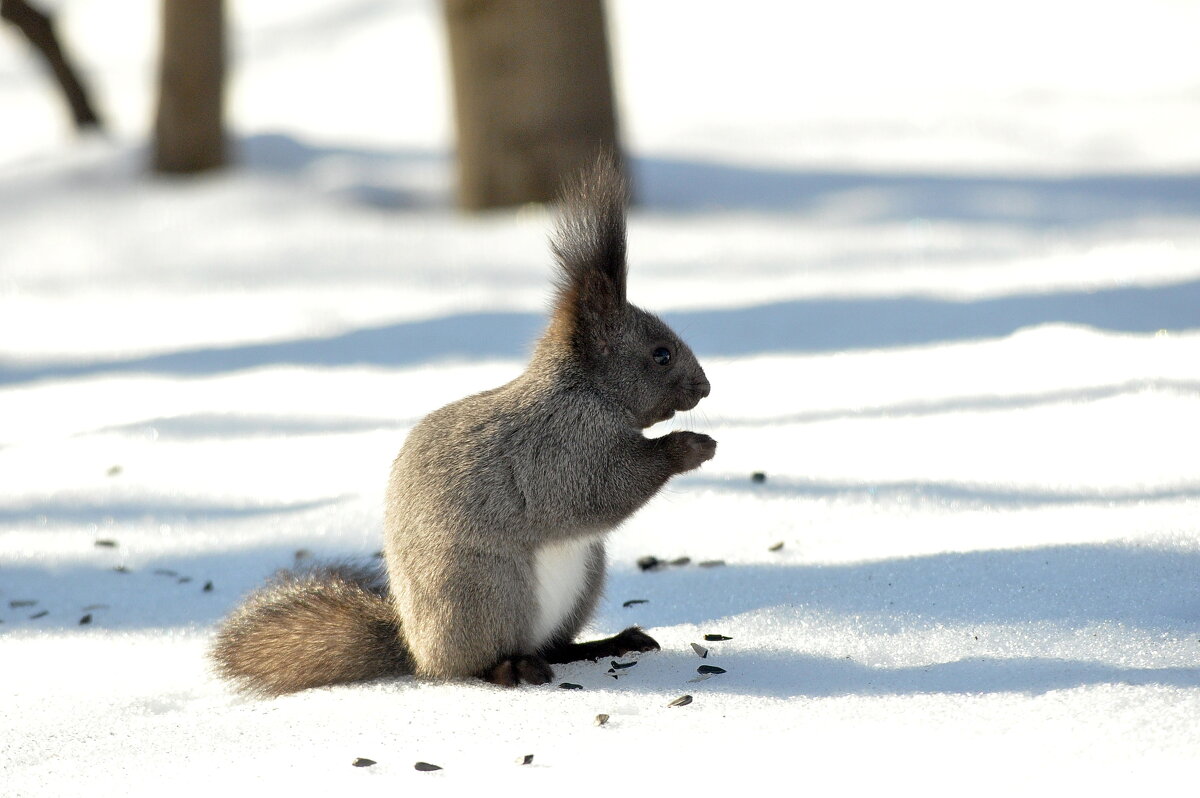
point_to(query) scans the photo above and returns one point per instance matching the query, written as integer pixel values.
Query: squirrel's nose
(702, 387)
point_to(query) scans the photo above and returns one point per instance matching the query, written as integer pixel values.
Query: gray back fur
(558, 453)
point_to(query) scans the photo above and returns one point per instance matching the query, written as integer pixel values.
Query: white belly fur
(561, 571)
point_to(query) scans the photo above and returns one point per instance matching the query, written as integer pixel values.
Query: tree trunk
(189, 131)
(39, 29)
(533, 96)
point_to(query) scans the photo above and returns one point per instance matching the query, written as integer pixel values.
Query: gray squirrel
(498, 504)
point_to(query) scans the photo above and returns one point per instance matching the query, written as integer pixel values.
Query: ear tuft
(589, 245)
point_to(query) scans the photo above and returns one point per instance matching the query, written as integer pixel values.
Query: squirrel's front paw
(691, 449)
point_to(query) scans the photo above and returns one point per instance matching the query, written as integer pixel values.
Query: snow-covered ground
(942, 266)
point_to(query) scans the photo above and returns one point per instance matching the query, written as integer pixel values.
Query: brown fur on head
(629, 354)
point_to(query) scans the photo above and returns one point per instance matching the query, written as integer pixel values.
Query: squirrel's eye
(662, 356)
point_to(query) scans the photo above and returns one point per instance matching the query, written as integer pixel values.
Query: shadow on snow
(959, 495)
(674, 185)
(795, 326)
(1069, 588)
(1037, 202)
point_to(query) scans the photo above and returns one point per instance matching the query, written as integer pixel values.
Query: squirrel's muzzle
(697, 390)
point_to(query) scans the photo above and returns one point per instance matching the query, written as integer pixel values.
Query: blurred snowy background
(942, 264)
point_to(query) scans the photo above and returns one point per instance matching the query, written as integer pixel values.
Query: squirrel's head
(630, 355)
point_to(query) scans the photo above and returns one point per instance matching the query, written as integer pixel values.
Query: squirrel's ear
(589, 245)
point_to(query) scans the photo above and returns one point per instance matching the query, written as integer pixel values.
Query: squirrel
(498, 505)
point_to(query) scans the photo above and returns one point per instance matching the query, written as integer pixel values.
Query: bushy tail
(320, 626)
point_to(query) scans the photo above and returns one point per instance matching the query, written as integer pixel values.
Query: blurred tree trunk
(189, 133)
(533, 96)
(39, 29)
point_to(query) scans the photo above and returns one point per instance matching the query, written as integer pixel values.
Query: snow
(942, 268)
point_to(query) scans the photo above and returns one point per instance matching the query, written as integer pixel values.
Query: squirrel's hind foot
(512, 671)
(632, 639)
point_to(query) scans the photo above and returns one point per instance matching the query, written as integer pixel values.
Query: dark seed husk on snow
(183, 580)
(632, 602)
(91, 607)
(622, 665)
(775, 546)
(208, 586)
(17, 603)
(165, 572)
(713, 638)
(709, 669)
(363, 762)
(85, 620)
(600, 720)
(700, 678)
(711, 563)
(700, 650)
(650, 563)
(682, 701)
(681, 561)
(526, 760)
(570, 686)
(106, 543)
(121, 569)
(758, 476)
(37, 615)
(425, 767)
